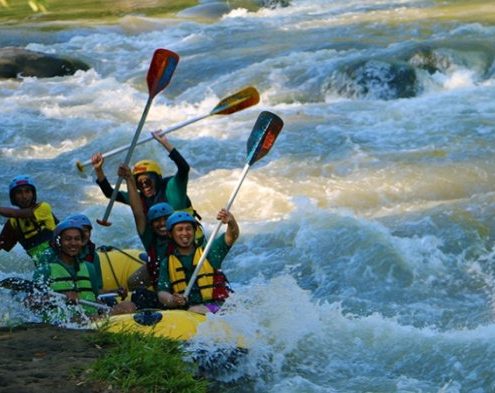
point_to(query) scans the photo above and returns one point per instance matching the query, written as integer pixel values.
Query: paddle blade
(161, 69)
(17, 284)
(263, 136)
(237, 102)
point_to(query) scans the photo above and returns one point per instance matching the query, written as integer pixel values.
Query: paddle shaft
(127, 159)
(82, 301)
(172, 128)
(215, 232)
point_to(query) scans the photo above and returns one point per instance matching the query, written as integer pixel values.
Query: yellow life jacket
(204, 280)
(32, 232)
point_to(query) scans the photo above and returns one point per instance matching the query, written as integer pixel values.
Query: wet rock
(429, 60)
(376, 79)
(16, 62)
(273, 3)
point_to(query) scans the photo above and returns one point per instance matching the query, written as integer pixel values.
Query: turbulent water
(365, 262)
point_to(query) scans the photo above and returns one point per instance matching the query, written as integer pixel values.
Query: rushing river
(365, 262)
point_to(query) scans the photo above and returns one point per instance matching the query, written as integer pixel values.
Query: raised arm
(134, 199)
(232, 232)
(97, 161)
(182, 165)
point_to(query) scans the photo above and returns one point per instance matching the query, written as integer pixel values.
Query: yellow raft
(117, 265)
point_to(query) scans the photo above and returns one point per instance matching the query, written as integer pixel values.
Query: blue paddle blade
(263, 136)
(161, 69)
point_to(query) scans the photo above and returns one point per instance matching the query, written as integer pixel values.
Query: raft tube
(117, 265)
(173, 324)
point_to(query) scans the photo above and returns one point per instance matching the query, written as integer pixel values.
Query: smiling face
(159, 226)
(183, 235)
(23, 196)
(146, 185)
(70, 244)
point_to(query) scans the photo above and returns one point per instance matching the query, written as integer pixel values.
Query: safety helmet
(146, 166)
(158, 210)
(64, 225)
(179, 217)
(21, 180)
(82, 219)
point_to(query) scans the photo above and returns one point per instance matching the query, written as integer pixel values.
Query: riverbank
(87, 11)
(40, 358)
(45, 359)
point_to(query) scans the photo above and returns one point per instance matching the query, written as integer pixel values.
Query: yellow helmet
(146, 166)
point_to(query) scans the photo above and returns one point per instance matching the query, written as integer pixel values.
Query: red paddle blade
(263, 136)
(161, 69)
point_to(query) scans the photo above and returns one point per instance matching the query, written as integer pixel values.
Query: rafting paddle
(161, 69)
(243, 99)
(260, 141)
(23, 285)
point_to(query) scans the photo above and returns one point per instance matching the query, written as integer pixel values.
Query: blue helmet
(21, 180)
(64, 225)
(81, 219)
(158, 210)
(179, 217)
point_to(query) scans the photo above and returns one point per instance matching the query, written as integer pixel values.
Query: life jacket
(62, 281)
(31, 233)
(212, 283)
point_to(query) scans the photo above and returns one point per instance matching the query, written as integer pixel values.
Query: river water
(365, 262)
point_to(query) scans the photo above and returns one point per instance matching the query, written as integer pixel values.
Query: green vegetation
(134, 362)
(89, 11)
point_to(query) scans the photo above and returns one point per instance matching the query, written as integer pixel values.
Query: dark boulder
(385, 80)
(273, 3)
(16, 62)
(375, 79)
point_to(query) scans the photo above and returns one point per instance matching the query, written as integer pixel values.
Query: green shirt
(216, 255)
(95, 265)
(149, 238)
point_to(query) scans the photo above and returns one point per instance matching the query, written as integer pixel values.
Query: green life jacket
(62, 281)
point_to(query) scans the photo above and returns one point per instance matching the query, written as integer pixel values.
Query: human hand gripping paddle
(260, 141)
(23, 285)
(243, 99)
(161, 69)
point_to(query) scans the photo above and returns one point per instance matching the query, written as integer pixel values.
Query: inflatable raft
(117, 265)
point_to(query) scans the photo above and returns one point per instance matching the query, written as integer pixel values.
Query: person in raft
(89, 253)
(65, 272)
(210, 288)
(31, 223)
(152, 187)
(152, 231)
